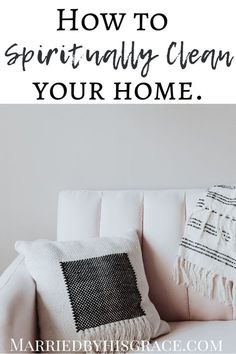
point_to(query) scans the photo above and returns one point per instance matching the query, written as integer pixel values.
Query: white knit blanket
(206, 258)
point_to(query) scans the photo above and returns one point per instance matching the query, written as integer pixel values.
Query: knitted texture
(107, 285)
(206, 258)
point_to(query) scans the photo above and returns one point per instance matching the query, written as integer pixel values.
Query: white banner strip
(164, 51)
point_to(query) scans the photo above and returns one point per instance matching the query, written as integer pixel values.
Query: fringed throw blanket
(207, 254)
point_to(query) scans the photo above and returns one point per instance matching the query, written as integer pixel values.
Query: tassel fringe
(202, 281)
(115, 334)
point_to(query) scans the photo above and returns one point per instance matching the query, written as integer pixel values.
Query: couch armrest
(17, 305)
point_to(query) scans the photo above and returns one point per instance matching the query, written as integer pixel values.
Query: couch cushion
(197, 337)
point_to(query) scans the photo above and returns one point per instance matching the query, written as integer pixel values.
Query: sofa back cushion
(159, 218)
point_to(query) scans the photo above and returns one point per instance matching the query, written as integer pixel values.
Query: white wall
(44, 149)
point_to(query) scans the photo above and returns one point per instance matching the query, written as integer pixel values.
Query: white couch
(197, 323)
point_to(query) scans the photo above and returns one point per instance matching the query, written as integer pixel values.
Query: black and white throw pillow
(92, 290)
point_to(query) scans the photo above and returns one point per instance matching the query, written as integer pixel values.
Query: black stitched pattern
(102, 290)
(208, 252)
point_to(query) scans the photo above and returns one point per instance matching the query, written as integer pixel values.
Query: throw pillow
(92, 290)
